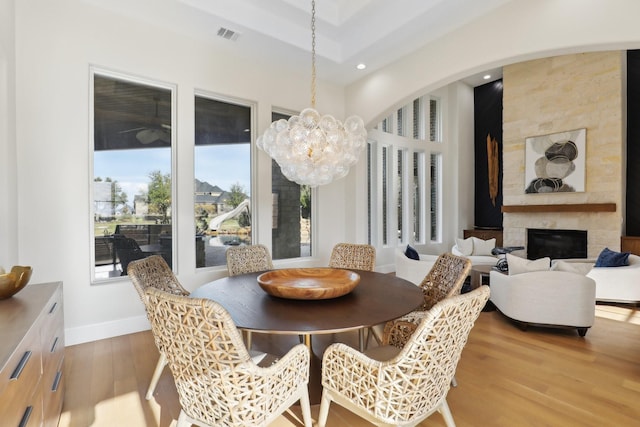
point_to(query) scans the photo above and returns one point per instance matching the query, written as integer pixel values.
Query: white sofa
(415, 270)
(613, 284)
(618, 284)
(548, 298)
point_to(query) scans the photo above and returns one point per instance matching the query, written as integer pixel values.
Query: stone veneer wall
(553, 95)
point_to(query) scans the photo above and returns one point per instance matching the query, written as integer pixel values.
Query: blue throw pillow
(609, 258)
(411, 253)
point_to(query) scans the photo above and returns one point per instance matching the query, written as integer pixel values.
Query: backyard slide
(215, 223)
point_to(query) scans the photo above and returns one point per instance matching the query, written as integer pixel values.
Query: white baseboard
(99, 331)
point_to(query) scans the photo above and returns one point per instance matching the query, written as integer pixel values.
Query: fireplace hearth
(556, 244)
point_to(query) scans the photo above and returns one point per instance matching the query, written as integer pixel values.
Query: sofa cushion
(519, 265)
(609, 258)
(483, 247)
(464, 246)
(411, 253)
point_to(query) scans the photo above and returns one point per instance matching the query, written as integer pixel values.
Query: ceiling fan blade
(147, 136)
(131, 130)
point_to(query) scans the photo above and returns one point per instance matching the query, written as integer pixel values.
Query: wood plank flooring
(506, 377)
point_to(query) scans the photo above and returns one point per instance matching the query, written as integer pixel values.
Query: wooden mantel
(579, 207)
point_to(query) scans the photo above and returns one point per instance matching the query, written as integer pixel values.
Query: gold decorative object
(11, 283)
(493, 167)
(309, 283)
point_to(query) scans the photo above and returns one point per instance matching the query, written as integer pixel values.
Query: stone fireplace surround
(553, 95)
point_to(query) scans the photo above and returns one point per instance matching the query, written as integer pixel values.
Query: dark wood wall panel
(633, 144)
(487, 120)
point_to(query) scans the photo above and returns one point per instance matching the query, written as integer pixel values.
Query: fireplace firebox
(556, 244)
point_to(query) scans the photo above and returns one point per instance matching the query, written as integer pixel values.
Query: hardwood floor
(506, 377)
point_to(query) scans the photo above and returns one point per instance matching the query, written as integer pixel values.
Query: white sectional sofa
(618, 284)
(613, 284)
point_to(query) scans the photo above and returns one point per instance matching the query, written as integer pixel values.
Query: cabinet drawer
(53, 350)
(53, 393)
(52, 315)
(23, 368)
(22, 409)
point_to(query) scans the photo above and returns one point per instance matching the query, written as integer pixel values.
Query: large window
(131, 184)
(222, 185)
(417, 159)
(291, 225)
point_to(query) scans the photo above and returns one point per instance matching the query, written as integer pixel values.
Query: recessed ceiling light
(487, 76)
(361, 66)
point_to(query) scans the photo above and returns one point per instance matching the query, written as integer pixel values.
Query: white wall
(8, 160)
(517, 31)
(56, 43)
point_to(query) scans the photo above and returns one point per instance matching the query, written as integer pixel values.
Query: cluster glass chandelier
(310, 148)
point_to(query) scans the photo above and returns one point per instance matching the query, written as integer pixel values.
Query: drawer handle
(56, 381)
(55, 344)
(53, 307)
(23, 362)
(25, 417)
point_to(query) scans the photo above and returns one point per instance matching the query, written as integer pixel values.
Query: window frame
(253, 106)
(145, 81)
(408, 146)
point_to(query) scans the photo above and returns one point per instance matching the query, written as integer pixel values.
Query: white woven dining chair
(358, 257)
(388, 386)
(353, 255)
(154, 272)
(248, 259)
(444, 280)
(218, 383)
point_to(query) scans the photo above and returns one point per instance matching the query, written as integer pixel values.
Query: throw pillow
(483, 247)
(411, 253)
(573, 267)
(465, 246)
(609, 258)
(519, 265)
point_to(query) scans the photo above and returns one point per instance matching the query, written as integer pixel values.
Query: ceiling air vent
(228, 34)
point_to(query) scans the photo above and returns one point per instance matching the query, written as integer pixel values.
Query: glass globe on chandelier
(310, 148)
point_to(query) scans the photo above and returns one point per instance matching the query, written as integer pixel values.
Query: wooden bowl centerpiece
(11, 283)
(309, 283)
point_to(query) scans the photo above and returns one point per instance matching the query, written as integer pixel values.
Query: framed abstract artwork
(555, 163)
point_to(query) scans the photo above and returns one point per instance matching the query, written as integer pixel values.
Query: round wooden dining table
(379, 297)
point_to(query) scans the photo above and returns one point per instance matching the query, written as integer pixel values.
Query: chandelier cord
(313, 54)
(310, 148)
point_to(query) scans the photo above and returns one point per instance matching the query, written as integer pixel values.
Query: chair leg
(324, 409)
(247, 338)
(162, 361)
(183, 420)
(305, 406)
(446, 414)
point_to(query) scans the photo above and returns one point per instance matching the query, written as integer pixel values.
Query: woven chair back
(430, 358)
(217, 382)
(445, 279)
(248, 259)
(154, 272)
(412, 385)
(355, 256)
